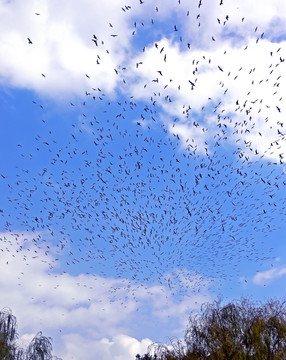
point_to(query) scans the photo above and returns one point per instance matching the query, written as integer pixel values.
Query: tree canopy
(40, 348)
(241, 330)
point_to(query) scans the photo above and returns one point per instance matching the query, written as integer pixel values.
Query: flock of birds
(135, 198)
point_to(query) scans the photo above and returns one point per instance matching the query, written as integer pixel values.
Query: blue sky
(143, 166)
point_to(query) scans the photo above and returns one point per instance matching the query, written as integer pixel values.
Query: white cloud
(267, 276)
(85, 312)
(62, 48)
(63, 51)
(238, 88)
(119, 347)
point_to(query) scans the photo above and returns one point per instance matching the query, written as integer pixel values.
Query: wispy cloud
(222, 66)
(84, 311)
(268, 276)
(65, 45)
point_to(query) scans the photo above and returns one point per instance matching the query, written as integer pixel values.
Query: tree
(40, 347)
(239, 330)
(8, 335)
(145, 357)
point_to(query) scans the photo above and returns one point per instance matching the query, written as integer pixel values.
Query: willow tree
(238, 331)
(40, 348)
(241, 330)
(8, 335)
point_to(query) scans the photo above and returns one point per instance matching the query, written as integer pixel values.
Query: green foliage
(236, 331)
(40, 347)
